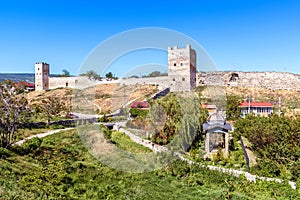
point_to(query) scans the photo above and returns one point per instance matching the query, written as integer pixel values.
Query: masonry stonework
(41, 76)
(181, 68)
(268, 80)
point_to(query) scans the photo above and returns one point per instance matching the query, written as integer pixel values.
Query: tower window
(173, 79)
(181, 64)
(174, 64)
(183, 79)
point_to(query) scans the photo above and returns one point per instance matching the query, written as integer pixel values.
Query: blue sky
(247, 35)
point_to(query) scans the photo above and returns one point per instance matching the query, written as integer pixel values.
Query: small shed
(217, 136)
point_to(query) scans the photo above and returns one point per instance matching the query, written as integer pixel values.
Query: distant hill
(28, 77)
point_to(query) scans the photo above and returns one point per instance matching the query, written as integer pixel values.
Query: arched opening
(234, 77)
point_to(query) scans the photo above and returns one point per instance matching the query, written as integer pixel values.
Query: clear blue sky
(247, 35)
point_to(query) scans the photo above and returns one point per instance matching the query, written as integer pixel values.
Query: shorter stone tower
(182, 68)
(41, 76)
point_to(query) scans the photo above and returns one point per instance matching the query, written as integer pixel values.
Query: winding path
(233, 172)
(41, 135)
(158, 148)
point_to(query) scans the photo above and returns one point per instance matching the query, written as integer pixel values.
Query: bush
(105, 119)
(136, 112)
(32, 144)
(5, 153)
(57, 126)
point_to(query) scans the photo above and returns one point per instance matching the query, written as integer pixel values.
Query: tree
(275, 141)
(233, 111)
(92, 75)
(65, 73)
(52, 107)
(109, 75)
(156, 74)
(14, 110)
(179, 117)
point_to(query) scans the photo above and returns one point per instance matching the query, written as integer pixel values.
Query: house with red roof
(258, 108)
(25, 85)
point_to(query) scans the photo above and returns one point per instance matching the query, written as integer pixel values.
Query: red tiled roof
(26, 84)
(142, 104)
(256, 104)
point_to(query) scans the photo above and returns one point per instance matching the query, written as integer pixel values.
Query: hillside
(290, 98)
(60, 167)
(106, 97)
(110, 97)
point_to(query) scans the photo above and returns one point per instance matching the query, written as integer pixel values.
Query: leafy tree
(233, 111)
(92, 75)
(276, 142)
(52, 107)
(14, 109)
(156, 74)
(109, 75)
(136, 112)
(182, 118)
(65, 73)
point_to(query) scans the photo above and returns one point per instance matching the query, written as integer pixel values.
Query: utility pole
(279, 105)
(249, 103)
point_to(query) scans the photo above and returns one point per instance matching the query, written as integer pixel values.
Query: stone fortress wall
(181, 76)
(78, 82)
(268, 80)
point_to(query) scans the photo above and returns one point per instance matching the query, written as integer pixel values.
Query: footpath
(157, 148)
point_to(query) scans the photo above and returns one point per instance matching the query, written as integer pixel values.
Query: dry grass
(104, 97)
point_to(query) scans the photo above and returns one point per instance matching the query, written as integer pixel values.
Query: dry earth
(104, 97)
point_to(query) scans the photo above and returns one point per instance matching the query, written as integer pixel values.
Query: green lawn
(60, 167)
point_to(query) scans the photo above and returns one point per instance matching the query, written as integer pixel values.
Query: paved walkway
(41, 135)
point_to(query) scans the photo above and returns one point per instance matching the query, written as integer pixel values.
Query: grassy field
(60, 167)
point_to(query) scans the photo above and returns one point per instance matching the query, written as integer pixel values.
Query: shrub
(32, 144)
(136, 112)
(5, 153)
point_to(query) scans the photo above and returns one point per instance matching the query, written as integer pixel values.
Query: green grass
(60, 167)
(124, 142)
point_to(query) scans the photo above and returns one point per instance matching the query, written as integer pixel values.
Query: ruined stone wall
(78, 82)
(163, 81)
(269, 80)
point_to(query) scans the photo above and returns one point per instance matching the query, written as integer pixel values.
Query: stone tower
(182, 68)
(41, 76)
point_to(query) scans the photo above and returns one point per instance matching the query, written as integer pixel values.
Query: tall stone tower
(182, 68)
(41, 76)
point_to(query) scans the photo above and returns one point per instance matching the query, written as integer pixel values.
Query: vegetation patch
(63, 169)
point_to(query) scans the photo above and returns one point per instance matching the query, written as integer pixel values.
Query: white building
(258, 108)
